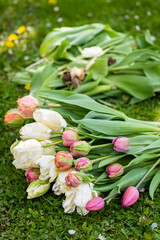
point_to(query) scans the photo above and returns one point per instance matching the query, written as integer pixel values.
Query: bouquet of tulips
(90, 152)
(97, 61)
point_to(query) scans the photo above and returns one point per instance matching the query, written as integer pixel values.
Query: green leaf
(154, 184)
(22, 77)
(61, 51)
(133, 85)
(100, 68)
(107, 161)
(148, 37)
(117, 128)
(75, 36)
(79, 100)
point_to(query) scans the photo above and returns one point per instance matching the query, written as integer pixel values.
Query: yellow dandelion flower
(27, 86)
(13, 37)
(52, 1)
(21, 29)
(9, 44)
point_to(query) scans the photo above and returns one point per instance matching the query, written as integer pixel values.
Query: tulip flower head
(37, 188)
(63, 160)
(72, 180)
(32, 175)
(27, 105)
(130, 196)
(13, 118)
(95, 204)
(83, 164)
(80, 148)
(114, 170)
(121, 144)
(69, 137)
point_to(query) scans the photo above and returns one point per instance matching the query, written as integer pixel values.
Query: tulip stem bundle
(150, 170)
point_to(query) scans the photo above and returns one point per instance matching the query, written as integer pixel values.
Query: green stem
(158, 161)
(51, 144)
(101, 145)
(105, 157)
(113, 194)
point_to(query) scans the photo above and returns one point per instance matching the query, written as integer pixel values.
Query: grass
(44, 218)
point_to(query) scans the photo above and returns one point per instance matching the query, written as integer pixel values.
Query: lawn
(44, 218)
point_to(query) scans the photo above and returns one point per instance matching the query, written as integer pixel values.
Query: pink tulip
(72, 180)
(95, 204)
(114, 170)
(121, 144)
(27, 105)
(69, 137)
(130, 196)
(63, 160)
(80, 148)
(31, 175)
(13, 118)
(83, 164)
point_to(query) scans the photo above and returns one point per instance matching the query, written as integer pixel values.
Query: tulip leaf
(154, 184)
(100, 68)
(80, 100)
(22, 77)
(75, 36)
(110, 160)
(133, 84)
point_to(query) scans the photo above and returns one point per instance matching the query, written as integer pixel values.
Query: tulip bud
(72, 180)
(114, 170)
(121, 144)
(80, 148)
(83, 164)
(95, 204)
(37, 188)
(130, 196)
(69, 137)
(63, 160)
(32, 174)
(13, 118)
(27, 105)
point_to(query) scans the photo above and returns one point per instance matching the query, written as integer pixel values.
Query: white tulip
(50, 118)
(47, 167)
(60, 186)
(91, 52)
(77, 198)
(26, 153)
(48, 150)
(35, 130)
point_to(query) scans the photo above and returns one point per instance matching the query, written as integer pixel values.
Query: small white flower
(56, 9)
(153, 38)
(138, 4)
(10, 51)
(126, 16)
(136, 17)
(90, 14)
(149, 13)
(60, 19)
(48, 24)
(154, 225)
(138, 28)
(26, 58)
(71, 232)
(141, 218)
(101, 237)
